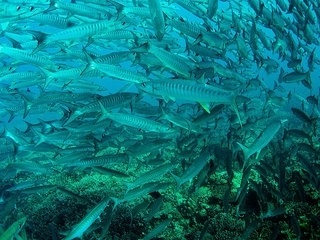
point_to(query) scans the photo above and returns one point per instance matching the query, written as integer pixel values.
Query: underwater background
(151, 119)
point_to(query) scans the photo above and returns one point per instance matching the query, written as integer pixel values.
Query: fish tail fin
(104, 113)
(143, 48)
(71, 118)
(51, 7)
(281, 74)
(48, 77)
(27, 104)
(245, 151)
(177, 179)
(129, 186)
(198, 39)
(236, 110)
(90, 63)
(42, 137)
(119, 7)
(116, 202)
(41, 38)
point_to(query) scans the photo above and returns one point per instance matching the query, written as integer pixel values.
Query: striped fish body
(27, 57)
(108, 102)
(120, 73)
(193, 170)
(117, 34)
(138, 122)
(188, 90)
(150, 176)
(83, 30)
(262, 141)
(116, 58)
(54, 20)
(143, 190)
(172, 61)
(157, 230)
(189, 29)
(88, 220)
(78, 32)
(101, 160)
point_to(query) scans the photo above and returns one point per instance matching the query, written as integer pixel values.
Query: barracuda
(100, 161)
(262, 141)
(134, 121)
(116, 57)
(192, 91)
(88, 220)
(178, 64)
(81, 9)
(27, 57)
(115, 71)
(54, 20)
(190, 29)
(150, 176)
(78, 32)
(108, 102)
(194, 169)
(13, 230)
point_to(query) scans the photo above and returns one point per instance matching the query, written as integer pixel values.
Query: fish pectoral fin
(206, 107)
(258, 153)
(167, 99)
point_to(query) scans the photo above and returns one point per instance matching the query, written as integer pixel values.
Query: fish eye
(18, 8)
(31, 8)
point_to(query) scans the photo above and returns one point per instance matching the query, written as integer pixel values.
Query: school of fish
(158, 98)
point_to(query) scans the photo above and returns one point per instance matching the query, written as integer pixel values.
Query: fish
(14, 229)
(77, 32)
(109, 102)
(150, 176)
(158, 229)
(140, 191)
(109, 171)
(154, 208)
(134, 99)
(177, 64)
(116, 72)
(157, 18)
(27, 57)
(295, 77)
(197, 165)
(79, 229)
(97, 161)
(183, 89)
(262, 141)
(212, 8)
(134, 121)
(302, 115)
